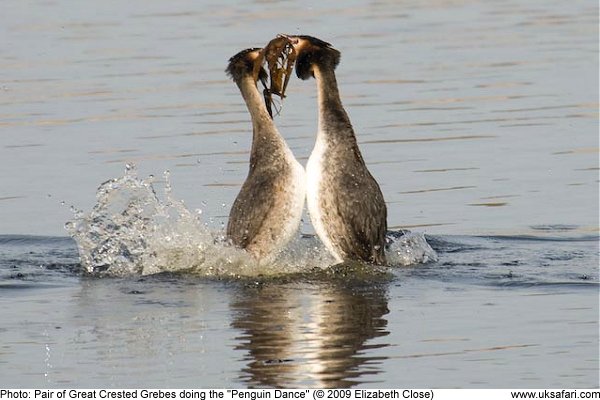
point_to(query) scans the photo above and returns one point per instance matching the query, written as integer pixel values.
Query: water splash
(133, 231)
(408, 248)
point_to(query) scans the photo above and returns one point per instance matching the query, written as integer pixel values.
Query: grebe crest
(345, 202)
(267, 211)
(313, 51)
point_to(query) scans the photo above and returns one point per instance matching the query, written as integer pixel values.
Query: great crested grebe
(344, 201)
(267, 211)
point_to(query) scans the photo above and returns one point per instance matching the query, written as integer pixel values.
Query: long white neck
(334, 123)
(267, 143)
(261, 119)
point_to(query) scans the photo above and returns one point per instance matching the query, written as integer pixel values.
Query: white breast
(314, 172)
(299, 194)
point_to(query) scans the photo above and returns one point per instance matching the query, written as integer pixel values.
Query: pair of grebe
(344, 201)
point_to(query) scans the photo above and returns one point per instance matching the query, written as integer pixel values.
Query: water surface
(478, 118)
(493, 312)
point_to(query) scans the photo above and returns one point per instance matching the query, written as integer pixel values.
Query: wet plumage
(345, 202)
(266, 212)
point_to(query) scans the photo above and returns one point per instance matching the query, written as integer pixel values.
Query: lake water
(479, 119)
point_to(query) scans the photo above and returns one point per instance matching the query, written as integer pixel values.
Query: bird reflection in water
(296, 337)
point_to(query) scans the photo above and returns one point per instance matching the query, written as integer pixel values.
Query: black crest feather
(317, 52)
(241, 64)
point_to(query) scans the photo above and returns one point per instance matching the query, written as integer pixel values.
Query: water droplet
(168, 189)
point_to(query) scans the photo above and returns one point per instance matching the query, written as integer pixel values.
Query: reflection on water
(493, 312)
(318, 335)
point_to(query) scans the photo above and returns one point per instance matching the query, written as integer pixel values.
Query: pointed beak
(293, 40)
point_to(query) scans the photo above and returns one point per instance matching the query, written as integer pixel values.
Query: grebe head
(246, 63)
(311, 51)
